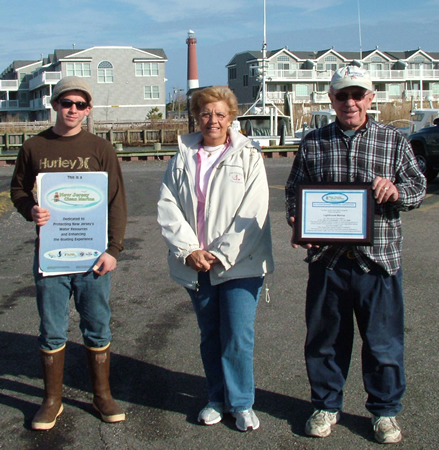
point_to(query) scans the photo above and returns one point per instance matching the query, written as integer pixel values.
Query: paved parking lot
(156, 371)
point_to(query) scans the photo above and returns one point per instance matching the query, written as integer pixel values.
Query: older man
(365, 281)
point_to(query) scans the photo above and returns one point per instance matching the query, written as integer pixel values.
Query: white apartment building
(126, 83)
(305, 76)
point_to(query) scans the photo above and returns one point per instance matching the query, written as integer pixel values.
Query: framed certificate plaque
(334, 213)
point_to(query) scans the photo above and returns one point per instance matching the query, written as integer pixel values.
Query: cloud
(164, 11)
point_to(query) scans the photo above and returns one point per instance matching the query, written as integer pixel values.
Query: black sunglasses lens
(343, 96)
(80, 106)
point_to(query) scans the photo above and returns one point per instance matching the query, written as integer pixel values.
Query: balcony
(376, 75)
(8, 85)
(7, 105)
(416, 94)
(299, 75)
(44, 79)
(422, 74)
(40, 103)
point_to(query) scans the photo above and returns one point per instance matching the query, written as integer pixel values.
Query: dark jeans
(333, 297)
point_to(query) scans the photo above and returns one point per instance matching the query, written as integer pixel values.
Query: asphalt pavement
(157, 375)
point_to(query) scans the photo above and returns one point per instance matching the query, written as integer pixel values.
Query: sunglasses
(80, 106)
(357, 96)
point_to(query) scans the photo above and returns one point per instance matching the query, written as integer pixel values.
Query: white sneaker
(320, 423)
(386, 429)
(246, 420)
(211, 414)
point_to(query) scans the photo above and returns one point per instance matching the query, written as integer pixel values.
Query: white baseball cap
(351, 76)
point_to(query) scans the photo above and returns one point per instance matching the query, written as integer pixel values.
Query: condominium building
(127, 83)
(305, 76)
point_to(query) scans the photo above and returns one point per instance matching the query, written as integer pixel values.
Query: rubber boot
(103, 402)
(53, 370)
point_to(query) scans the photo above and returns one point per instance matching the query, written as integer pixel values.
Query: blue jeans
(226, 315)
(333, 297)
(91, 293)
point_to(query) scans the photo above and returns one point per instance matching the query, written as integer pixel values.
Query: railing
(45, 78)
(9, 104)
(40, 103)
(424, 74)
(320, 97)
(13, 141)
(416, 94)
(8, 85)
(130, 138)
(376, 75)
(388, 75)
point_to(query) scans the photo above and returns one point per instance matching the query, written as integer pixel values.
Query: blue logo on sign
(335, 197)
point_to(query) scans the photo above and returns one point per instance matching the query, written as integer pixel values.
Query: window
(302, 90)
(420, 59)
(105, 72)
(332, 67)
(245, 80)
(152, 92)
(78, 69)
(324, 121)
(395, 90)
(254, 70)
(283, 58)
(147, 69)
(435, 89)
(232, 73)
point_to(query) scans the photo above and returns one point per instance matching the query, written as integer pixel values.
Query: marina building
(305, 76)
(127, 83)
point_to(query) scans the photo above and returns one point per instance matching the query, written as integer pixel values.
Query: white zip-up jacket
(236, 212)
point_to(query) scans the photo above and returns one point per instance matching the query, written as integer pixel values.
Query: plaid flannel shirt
(328, 155)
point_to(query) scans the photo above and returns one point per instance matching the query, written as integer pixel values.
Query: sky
(31, 28)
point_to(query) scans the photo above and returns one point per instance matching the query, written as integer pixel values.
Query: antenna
(264, 57)
(359, 30)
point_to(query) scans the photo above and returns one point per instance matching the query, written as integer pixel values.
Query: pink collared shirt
(207, 158)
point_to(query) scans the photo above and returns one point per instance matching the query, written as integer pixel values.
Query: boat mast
(359, 32)
(264, 58)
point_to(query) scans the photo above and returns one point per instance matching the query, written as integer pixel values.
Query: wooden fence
(130, 138)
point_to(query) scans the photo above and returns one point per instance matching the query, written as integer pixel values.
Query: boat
(264, 122)
(323, 117)
(421, 118)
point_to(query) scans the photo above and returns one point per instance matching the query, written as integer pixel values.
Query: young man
(67, 148)
(366, 281)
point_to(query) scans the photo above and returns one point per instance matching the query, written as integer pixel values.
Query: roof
(305, 55)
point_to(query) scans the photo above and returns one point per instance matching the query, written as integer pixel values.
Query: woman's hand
(201, 260)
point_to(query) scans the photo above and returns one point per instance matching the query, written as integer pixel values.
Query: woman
(213, 212)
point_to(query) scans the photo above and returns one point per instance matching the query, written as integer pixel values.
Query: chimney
(192, 68)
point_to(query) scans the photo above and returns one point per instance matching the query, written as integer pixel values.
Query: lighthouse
(192, 68)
